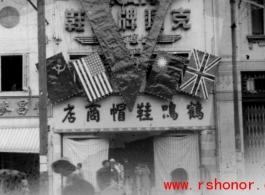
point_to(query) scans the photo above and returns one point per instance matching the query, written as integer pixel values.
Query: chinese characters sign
(21, 107)
(74, 20)
(127, 17)
(111, 112)
(70, 114)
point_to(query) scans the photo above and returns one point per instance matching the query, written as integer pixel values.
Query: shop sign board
(149, 112)
(21, 107)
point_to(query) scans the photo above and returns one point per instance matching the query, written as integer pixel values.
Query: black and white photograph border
(160, 116)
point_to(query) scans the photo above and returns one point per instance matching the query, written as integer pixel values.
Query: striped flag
(200, 74)
(91, 72)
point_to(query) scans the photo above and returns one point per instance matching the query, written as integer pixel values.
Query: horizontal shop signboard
(21, 107)
(149, 113)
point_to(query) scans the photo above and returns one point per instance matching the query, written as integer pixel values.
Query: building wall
(205, 35)
(208, 33)
(249, 58)
(21, 39)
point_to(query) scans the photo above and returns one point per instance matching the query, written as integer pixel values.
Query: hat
(112, 160)
(63, 166)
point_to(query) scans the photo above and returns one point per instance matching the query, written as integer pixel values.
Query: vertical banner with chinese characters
(182, 112)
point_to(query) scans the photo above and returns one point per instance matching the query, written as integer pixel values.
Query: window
(13, 73)
(253, 84)
(257, 23)
(257, 16)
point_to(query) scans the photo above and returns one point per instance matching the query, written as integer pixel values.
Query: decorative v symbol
(127, 76)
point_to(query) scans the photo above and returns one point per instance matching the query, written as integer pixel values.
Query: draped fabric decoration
(89, 152)
(125, 74)
(200, 74)
(60, 83)
(176, 152)
(166, 73)
(254, 135)
(154, 34)
(128, 77)
(91, 72)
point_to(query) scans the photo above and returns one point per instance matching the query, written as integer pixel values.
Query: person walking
(104, 176)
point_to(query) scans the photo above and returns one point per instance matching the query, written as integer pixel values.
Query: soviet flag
(60, 83)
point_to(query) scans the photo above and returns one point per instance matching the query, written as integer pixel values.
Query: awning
(19, 140)
(134, 129)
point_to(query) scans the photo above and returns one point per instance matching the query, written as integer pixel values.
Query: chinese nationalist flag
(200, 74)
(60, 83)
(167, 72)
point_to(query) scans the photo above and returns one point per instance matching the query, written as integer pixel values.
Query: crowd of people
(14, 186)
(124, 178)
(115, 178)
(77, 185)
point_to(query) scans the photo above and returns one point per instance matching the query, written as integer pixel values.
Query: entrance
(174, 152)
(151, 159)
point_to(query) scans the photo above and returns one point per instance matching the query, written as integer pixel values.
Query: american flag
(200, 74)
(91, 73)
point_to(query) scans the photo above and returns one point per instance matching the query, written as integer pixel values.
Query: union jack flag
(200, 74)
(91, 73)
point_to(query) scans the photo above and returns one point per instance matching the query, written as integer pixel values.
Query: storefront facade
(19, 101)
(158, 133)
(166, 136)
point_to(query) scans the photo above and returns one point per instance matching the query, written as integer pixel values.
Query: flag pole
(43, 127)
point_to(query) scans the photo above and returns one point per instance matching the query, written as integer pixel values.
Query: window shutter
(25, 72)
(257, 19)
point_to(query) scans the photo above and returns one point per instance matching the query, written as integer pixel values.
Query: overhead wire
(248, 13)
(240, 13)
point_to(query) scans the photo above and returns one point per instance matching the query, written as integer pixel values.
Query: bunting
(127, 76)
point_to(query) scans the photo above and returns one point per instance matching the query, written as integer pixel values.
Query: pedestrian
(139, 174)
(128, 177)
(104, 176)
(79, 187)
(25, 186)
(181, 175)
(205, 177)
(146, 183)
(79, 171)
(114, 171)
